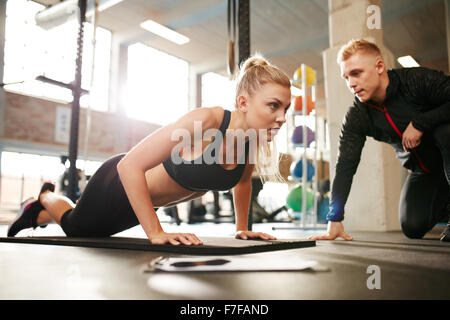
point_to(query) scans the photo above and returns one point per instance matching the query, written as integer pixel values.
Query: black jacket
(417, 95)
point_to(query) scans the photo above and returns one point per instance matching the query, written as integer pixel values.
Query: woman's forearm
(135, 185)
(242, 195)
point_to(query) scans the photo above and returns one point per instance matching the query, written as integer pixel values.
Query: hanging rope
(72, 192)
(244, 30)
(89, 106)
(231, 36)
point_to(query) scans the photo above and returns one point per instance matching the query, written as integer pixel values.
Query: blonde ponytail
(254, 73)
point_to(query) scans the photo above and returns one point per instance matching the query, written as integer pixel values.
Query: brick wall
(30, 121)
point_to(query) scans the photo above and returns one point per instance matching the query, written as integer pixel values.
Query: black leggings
(425, 197)
(103, 208)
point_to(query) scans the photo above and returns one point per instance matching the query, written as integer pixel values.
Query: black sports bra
(201, 176)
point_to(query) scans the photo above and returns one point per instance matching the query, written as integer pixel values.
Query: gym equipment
(297, 170)
(310, 77)
(75, 117)
(284, 165)
(244, 29)
(294, 199)
(231, 36)
(211, 245)
(242, 8)
(198, 212)
(94, 21)
(69, 86)
(324, 186)
(49, 18)
(297, 136)
(322, 209)
(258, 213)
(64, 183)
(298, 105)
(302, 148)
(173, 213)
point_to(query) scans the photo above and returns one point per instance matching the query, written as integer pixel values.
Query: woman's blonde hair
(254, 73)
(357, 46)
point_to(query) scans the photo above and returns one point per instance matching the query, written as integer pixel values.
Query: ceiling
(288, 32)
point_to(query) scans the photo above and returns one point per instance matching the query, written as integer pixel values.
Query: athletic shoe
(445, 236)
(27, 217)
(46, 186)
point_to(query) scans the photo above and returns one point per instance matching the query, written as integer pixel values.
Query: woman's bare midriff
(164, 191)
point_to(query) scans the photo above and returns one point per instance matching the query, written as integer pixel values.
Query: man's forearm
(431, 119)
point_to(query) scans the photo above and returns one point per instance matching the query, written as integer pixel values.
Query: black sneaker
(445, 236)
(46, 186)
(27, 217)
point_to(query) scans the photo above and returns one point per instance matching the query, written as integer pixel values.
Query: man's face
(362, 73)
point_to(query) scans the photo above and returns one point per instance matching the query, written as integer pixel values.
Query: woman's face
(266, 108)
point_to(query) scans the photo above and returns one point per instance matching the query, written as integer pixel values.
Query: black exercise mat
(211, 245)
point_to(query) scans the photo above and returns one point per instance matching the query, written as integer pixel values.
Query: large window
(22, 175)
(218, 90)
(157, 85)
(31, 51)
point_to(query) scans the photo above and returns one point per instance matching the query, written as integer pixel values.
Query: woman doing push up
(199, 152)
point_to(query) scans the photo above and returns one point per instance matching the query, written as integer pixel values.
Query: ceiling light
(164, 32)
(408, 62)
(103, 5)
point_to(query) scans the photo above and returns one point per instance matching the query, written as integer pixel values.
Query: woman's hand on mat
(334, 230)
(175, 238)
(245, 235)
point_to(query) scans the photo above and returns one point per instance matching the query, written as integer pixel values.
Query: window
(218, 90)
(157, 85)
(22, 175)
(31, 51)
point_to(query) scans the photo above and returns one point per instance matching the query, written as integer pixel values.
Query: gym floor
(408, 269)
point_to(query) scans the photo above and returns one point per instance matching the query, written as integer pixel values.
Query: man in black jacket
(409, 109)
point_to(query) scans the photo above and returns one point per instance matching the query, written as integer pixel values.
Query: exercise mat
(238, 263)
(211, 245)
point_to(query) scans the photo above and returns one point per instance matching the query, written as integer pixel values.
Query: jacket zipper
(384, 110)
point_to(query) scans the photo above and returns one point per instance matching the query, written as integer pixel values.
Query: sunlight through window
(218, 90)
(31, 51)
(157, 85)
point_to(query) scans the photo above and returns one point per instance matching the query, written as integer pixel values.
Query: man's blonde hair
(357, 46)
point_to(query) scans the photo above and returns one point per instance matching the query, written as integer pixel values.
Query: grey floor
(408, 269)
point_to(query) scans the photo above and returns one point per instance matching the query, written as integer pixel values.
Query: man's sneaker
(445, 236)
(27, 217)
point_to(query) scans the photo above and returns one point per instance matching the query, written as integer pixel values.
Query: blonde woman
(173, 164)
